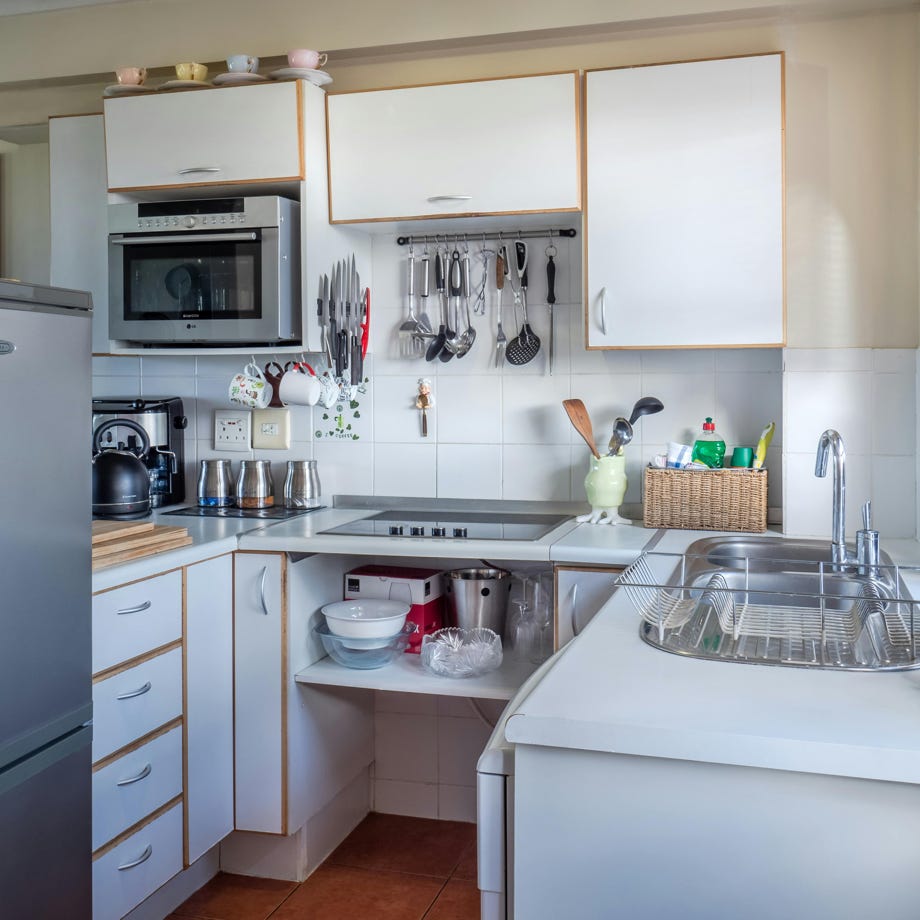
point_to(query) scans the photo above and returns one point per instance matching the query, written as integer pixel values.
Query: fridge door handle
(148, 852)
(262, 590)
(136, 779)
(133, 693)
(138, 609)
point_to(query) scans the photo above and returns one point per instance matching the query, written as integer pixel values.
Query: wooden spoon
(578, 416)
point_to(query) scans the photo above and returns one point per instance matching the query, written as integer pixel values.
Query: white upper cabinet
(485, 147)
(205, 137)
(684, 228)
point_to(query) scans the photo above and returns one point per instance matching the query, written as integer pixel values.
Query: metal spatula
(526, 345)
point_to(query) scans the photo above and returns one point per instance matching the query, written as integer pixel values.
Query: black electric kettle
(121, 483)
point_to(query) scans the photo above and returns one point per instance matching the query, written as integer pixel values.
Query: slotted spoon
(525, 346)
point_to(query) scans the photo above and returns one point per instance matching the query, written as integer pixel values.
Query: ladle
(622, 435)
(578, 416)
(648, 405)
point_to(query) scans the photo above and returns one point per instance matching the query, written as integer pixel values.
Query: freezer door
(45, 525)
(45, 823)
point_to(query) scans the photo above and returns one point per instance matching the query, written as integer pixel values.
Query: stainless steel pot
(301, 484)
(254, 487)
(478, 597)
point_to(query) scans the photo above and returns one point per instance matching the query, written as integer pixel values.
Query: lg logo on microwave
(6, 348)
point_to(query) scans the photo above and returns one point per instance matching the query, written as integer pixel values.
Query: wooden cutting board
(132, 540)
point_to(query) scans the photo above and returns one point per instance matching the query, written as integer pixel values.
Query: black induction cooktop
(274, 513)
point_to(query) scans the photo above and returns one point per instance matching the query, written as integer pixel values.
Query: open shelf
(406, 675)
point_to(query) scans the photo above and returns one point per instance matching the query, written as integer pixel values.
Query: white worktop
(614, 693)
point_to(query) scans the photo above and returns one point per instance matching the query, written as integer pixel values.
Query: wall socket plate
(271, 429)
(232, 428)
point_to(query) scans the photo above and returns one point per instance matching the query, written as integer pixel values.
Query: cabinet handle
(434, 199)
(148, 852)
(139, 692)
(575, 609)
(604, 310)
(155, 239)
(200, 169)
(136, 779)
(262, 590)
(140, 607)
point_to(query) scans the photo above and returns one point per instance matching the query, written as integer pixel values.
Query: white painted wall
(25, 229)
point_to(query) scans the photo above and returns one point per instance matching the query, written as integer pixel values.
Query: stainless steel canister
(215, 484)
(254, 487)
(478, 597)
(301, 485)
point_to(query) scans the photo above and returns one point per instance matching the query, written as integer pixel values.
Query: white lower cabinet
(209, 703)
(580, 592)
(135, 785)
(131, 871)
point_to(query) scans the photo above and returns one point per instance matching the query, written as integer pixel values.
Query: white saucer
(186, 84)
(317, 77)
(231, 78)
(126, 89)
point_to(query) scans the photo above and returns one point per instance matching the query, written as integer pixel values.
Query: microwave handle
(184, 238)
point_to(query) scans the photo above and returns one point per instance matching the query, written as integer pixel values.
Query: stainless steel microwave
(217, 271)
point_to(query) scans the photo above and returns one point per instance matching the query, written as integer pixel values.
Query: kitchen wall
(25, 229)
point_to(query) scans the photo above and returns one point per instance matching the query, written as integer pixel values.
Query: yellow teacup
(196, 72)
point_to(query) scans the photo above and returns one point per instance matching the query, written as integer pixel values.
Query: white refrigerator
(45, 602)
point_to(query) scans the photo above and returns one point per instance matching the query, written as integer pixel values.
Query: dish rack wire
(874, 625)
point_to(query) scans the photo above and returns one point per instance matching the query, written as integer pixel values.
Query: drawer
(135, 785)
(132, 703)
(140, 864)
(130, 621)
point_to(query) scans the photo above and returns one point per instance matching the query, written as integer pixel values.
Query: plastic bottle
(709, 448)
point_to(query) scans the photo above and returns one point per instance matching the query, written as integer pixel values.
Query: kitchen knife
(333, 306)
(326, 348)
(320, 300)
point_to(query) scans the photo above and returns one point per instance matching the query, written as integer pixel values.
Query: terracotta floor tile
(235, 897)
(343, 893)
(458, 901)
(395, 843)
(466, 868)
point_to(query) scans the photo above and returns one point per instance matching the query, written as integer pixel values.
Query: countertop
(613, 693)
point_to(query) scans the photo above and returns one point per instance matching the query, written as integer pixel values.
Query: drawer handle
(434, 199)
(575, 609)
(262, 590)
(199, 169)
(148, 852)
(138, 609)
(136, 779)
(139, 692)
(604, 310)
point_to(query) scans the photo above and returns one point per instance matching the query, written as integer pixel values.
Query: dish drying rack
(825, 618)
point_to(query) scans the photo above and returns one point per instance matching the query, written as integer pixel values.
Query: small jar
(215, 484)
(254, 487)
(301, 485)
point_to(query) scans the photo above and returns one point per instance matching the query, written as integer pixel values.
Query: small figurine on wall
(424, 401)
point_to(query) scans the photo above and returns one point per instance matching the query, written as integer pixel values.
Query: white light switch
(271, 429)
(231, 429)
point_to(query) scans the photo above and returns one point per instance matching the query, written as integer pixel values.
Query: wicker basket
(728, 499)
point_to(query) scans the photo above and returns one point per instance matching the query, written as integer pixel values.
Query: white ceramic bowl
(367, 619)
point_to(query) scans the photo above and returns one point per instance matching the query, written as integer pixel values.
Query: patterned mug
(250, 388)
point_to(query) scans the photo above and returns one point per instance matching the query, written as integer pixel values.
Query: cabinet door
(209, 703)
(259, 666)
(685, 204)
(79, 222)
(204, 137)
(492, 146)
(580, 593)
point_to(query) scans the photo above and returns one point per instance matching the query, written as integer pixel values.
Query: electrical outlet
(271, 429)
(232, 429)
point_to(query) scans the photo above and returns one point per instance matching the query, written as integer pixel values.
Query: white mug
(250, 388)
(329, 391)
(299, 388)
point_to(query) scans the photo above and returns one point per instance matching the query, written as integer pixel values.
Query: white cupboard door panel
(685, 204)
(209, 703)
(132, 703)
(258, 630)
(490, 146)
(135, 619)
(133, 870)
(204, 137)
(135, 785)
(580, 593)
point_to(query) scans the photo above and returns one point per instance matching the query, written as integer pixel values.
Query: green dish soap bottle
(709, 448)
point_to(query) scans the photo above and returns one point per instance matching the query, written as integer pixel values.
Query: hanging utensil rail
(421, 239)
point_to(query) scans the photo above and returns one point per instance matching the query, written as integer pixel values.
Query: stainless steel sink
(772, 601)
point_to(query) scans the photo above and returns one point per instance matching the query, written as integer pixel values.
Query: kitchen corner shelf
(406, 675)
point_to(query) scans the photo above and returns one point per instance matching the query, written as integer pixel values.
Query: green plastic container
(709, 448)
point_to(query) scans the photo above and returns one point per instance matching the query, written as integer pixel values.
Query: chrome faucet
(832, 441)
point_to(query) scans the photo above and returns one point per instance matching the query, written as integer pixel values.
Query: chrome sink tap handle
(831, 441)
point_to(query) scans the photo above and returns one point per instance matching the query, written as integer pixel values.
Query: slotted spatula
(525, 346)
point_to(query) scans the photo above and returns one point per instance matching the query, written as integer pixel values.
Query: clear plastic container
(709, 448)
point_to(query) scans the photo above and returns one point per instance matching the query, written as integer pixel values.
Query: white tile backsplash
(469, 470)
(406, 747)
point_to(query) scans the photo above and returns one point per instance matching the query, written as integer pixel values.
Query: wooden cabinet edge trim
(140, 742)
(650, 346)
(75, 115)
(702, 60)
(185, 846)
(576, 73)
(226, 182)
(137, 659)
(376, 220)
(124, 835)
(285, 681)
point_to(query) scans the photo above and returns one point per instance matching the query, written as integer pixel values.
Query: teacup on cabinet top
(191, 71)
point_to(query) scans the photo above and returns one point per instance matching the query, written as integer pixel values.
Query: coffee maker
(164, 421)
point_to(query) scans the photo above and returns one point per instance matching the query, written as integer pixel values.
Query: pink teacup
(306, 59)
(131, 76)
